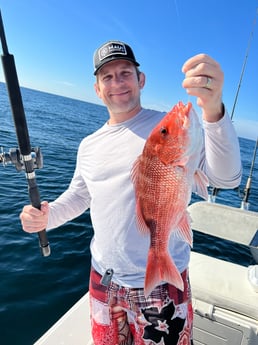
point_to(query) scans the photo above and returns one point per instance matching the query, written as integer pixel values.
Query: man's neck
(116, 117)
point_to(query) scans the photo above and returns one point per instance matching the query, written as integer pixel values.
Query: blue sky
(53, 42)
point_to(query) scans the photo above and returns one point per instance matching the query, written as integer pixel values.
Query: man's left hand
(204, 79)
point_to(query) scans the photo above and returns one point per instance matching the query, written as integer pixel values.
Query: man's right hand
(34, 220)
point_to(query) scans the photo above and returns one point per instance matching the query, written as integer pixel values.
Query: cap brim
(113, 58)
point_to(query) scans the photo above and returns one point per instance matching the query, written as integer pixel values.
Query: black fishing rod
(23, 156)
(247, 189)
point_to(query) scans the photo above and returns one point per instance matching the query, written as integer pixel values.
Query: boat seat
(225, 222)
(223, 284)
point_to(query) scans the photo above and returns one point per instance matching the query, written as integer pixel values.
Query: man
(120, 312)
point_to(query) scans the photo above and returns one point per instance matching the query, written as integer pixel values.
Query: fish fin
(201, 183)
(184, 228)
(134, 170)
(161, 268)
(141, 224)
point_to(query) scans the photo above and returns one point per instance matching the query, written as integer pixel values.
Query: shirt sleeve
(71, 204)
(220, 159)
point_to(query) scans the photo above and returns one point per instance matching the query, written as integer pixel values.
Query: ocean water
(36, 291)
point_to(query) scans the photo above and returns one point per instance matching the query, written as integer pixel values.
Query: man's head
(118, 80)
(110, 51)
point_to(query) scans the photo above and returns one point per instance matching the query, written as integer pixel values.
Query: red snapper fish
(163, 178)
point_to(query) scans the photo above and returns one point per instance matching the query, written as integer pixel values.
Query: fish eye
(163, 130)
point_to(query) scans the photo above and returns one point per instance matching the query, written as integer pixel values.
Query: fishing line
(247, 188)
(244, 64)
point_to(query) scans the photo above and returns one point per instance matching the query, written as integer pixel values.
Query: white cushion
(223, 284)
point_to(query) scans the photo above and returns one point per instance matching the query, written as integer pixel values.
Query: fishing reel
(14, 157)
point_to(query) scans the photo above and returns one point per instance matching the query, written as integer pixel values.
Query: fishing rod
(245, 203)
(23, 158)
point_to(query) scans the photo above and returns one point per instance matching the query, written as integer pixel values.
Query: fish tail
(160, 267)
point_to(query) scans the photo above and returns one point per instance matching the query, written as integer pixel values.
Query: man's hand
(204, 79)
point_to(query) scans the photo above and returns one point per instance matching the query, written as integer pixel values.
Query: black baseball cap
(112, 50)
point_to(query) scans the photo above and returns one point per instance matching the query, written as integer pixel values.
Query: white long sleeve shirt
(102, 182)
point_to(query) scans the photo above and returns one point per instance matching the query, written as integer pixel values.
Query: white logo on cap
(112, 49)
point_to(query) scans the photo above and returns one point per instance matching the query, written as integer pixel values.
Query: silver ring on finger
(208, 83)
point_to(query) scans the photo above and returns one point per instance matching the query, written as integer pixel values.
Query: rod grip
(35, 201)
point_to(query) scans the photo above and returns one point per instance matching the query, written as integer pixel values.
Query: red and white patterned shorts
(123, 316)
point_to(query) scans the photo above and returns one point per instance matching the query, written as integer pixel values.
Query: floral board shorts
(123, 316)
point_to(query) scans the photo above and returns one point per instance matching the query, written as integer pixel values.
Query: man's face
(118, 85)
